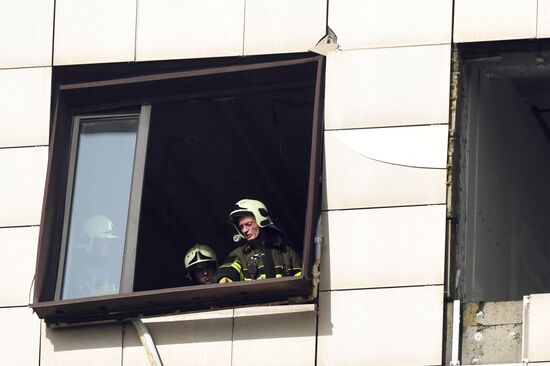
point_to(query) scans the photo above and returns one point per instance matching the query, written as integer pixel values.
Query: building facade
(391, 88)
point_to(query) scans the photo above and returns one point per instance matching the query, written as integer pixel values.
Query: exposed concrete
(491, 333)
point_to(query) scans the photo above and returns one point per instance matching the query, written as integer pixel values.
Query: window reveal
(178, 150)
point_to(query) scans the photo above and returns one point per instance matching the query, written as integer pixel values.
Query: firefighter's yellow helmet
(199, 253)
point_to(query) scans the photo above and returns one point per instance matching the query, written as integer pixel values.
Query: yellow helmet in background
(199, 253)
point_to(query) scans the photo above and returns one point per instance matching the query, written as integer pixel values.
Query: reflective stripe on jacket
(261, 258)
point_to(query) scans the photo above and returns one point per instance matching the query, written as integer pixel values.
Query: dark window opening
(203, 156)
(145, 165)
(503, 238)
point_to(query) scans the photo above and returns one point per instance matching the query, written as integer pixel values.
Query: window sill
(164, 301)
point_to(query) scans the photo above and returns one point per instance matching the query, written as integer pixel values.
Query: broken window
(504, 124)
(501, 176)
(149, 159)
(498, 222)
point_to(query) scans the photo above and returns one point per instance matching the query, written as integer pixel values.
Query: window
(148, 159)
(503, 125)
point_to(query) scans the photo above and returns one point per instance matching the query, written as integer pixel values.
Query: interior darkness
(226, 137)
(504, 121)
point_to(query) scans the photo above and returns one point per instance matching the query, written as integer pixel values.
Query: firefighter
(200, 263)
(100, 259)
(263, 250)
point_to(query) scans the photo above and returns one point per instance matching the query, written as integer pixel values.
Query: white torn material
(328, 43)
(418, 147)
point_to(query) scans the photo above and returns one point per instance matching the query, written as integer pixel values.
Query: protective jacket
(268, 256)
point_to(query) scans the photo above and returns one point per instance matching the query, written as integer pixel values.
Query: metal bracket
(456, 333)
(524, 335)
(327, 44)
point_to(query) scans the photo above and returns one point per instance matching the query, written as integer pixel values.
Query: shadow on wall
(275, 326)
(324, 282)
(324, 323)
(325, 326)
(182, 332)
(81, 338)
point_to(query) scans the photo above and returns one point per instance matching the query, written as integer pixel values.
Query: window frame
(47, 303)
(128, 264)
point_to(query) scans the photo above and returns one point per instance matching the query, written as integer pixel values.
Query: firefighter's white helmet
(250, 207)
(99, 227)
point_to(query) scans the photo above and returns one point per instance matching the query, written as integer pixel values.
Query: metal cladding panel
(201, 339)
(415, 146)
(83, 346)
(275, 339)
(173, 29)
(383, 247)
(26, 29)
(390, 23)
(397, 326)
(492, 20)
(22, 185)
(359, 178)
(94, 31)
(387, 87)
(17, 262)
(20, 340)
(543, 19)
(538, 328)
(283, 26)
(25, 105)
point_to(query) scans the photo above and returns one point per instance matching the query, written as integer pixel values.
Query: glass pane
(99, 206)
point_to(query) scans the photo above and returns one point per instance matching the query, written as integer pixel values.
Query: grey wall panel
(283, 26)
(83, 346)
(287, 339)
(543, 19)
(23, 172)
(173, 29)
(491, 20)
(25, 105)
(538, 328)
(399, 326)
(383, 247)
(26, 33)
(387, 87)
(192, 339)
(94, 31)
(20, 337)
(17, 262)
(390, 23)
(356, 180)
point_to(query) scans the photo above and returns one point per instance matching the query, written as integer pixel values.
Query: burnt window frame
(46, 302)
